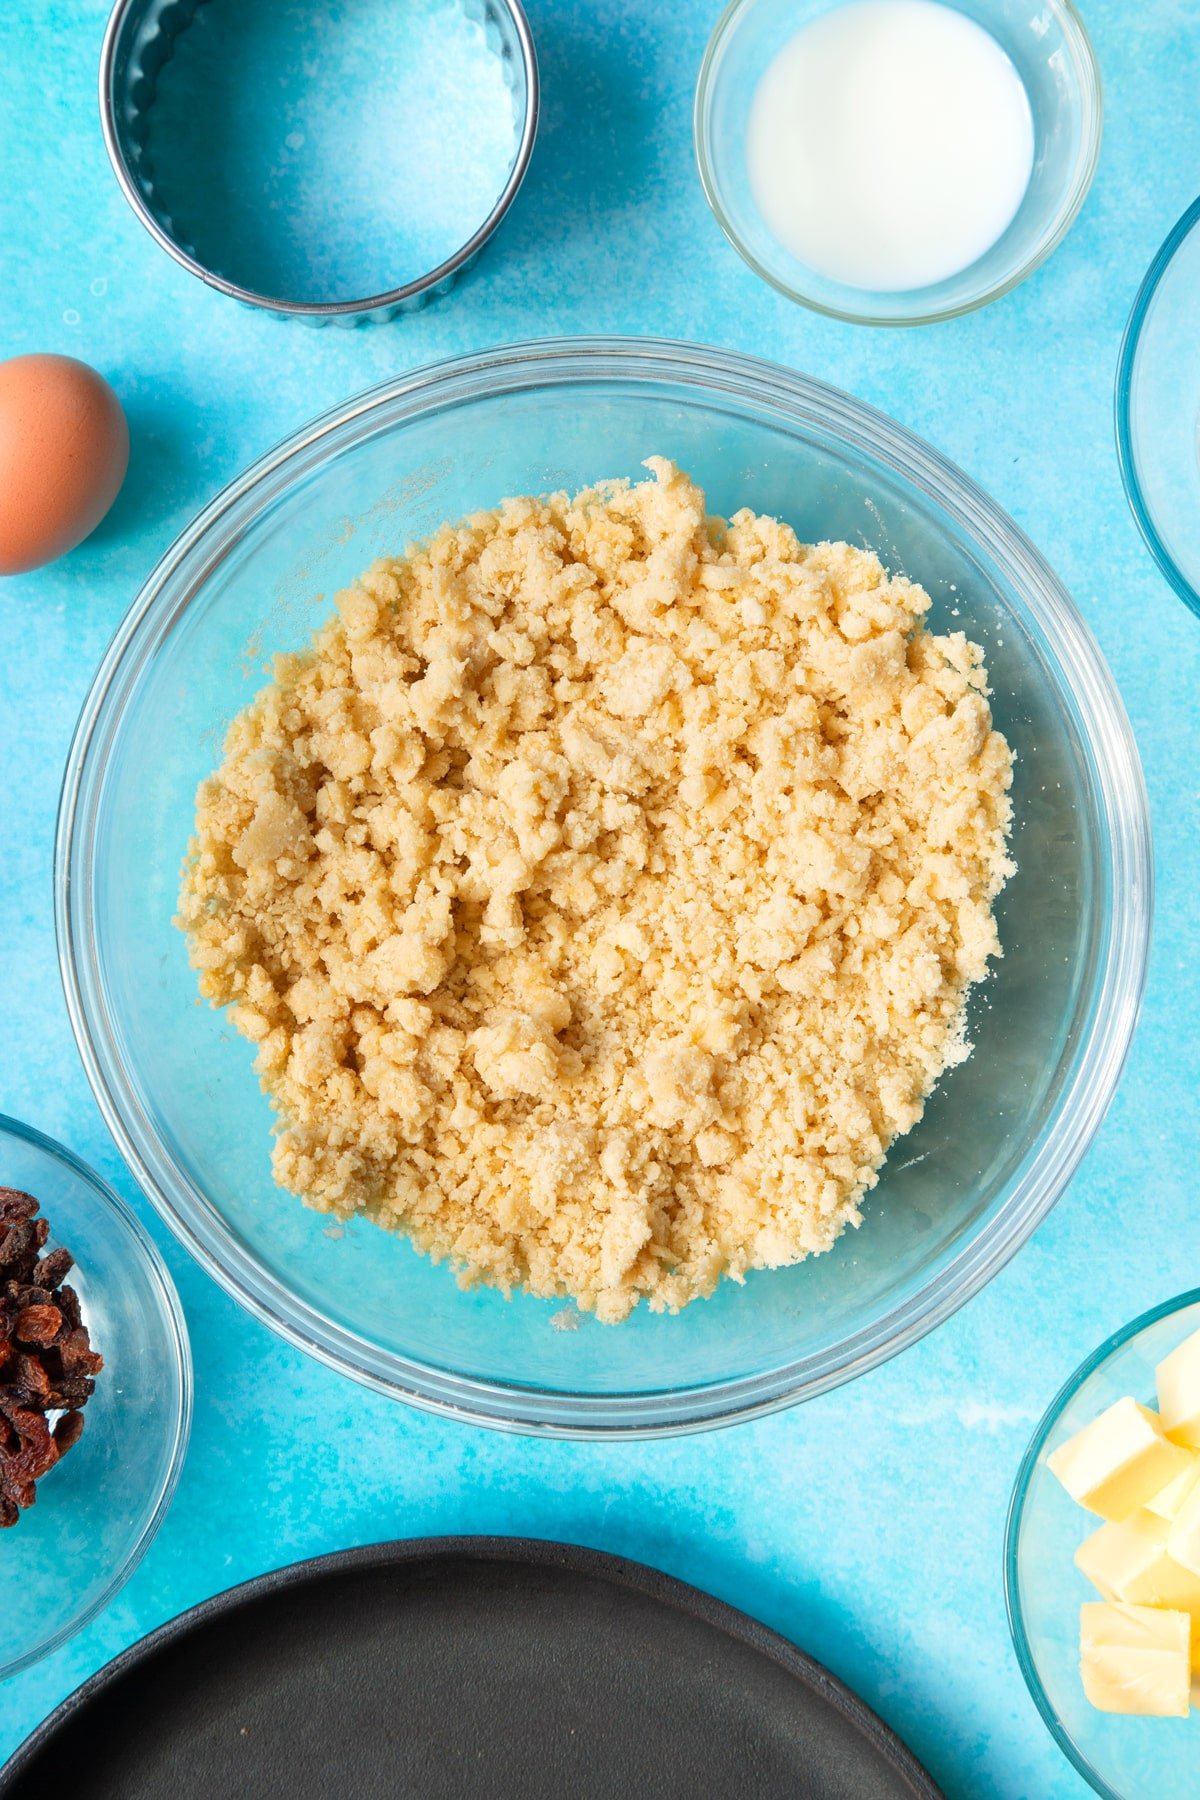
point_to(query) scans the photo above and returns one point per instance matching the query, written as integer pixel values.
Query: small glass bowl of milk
(897, 161)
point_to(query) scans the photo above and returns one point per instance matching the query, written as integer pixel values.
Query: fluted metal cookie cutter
(140, 39)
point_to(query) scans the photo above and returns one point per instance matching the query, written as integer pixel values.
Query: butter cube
(1130, 1561)
(1178, 1379)
(1119, 1461)
(1183, 1539)
(1135, 1659)
(1167, 1502)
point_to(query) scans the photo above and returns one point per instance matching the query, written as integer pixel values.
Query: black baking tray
(452, 1667)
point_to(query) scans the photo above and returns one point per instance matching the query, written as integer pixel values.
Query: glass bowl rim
(1016, 1513)
(1123, 821)
(320, 311)
(172, 1316)
(1086, 67)
(1139, 312)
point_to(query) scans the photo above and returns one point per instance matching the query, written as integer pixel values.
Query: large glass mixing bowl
(257, 571)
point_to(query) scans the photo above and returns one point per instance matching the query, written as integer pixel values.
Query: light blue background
(867, 1525)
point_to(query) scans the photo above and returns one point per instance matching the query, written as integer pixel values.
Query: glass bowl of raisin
(95, 1394)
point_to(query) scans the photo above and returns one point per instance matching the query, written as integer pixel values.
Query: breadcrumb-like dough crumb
(602, 889)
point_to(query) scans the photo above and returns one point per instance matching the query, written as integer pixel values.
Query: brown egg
(64, 449)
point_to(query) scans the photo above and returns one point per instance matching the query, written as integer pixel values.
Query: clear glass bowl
(256, 573)
(98, 1509)
(1158, 408)
(1123, 1758)
(1053, 55)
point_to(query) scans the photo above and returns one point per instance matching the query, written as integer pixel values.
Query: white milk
(889, 143)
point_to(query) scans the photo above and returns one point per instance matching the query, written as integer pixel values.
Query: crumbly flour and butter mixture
(602, 888)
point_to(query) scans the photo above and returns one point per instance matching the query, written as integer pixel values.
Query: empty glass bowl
(1050, 50)
(257, 571)
(1124, 1758)
(98, 1509)
(1158, 409)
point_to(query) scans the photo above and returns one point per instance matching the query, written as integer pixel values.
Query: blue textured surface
(868, 1525)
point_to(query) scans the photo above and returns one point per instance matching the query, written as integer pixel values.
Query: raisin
(53, 1268)
(74, 1390)
(38, 1324)
(16, 1205)
(67, 1301)
(68, 1432)
(34, 1452)
(29, 1380)
(78, 1357)
(19, 1245)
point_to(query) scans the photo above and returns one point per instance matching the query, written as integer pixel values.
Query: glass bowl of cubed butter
(1102, 1563)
